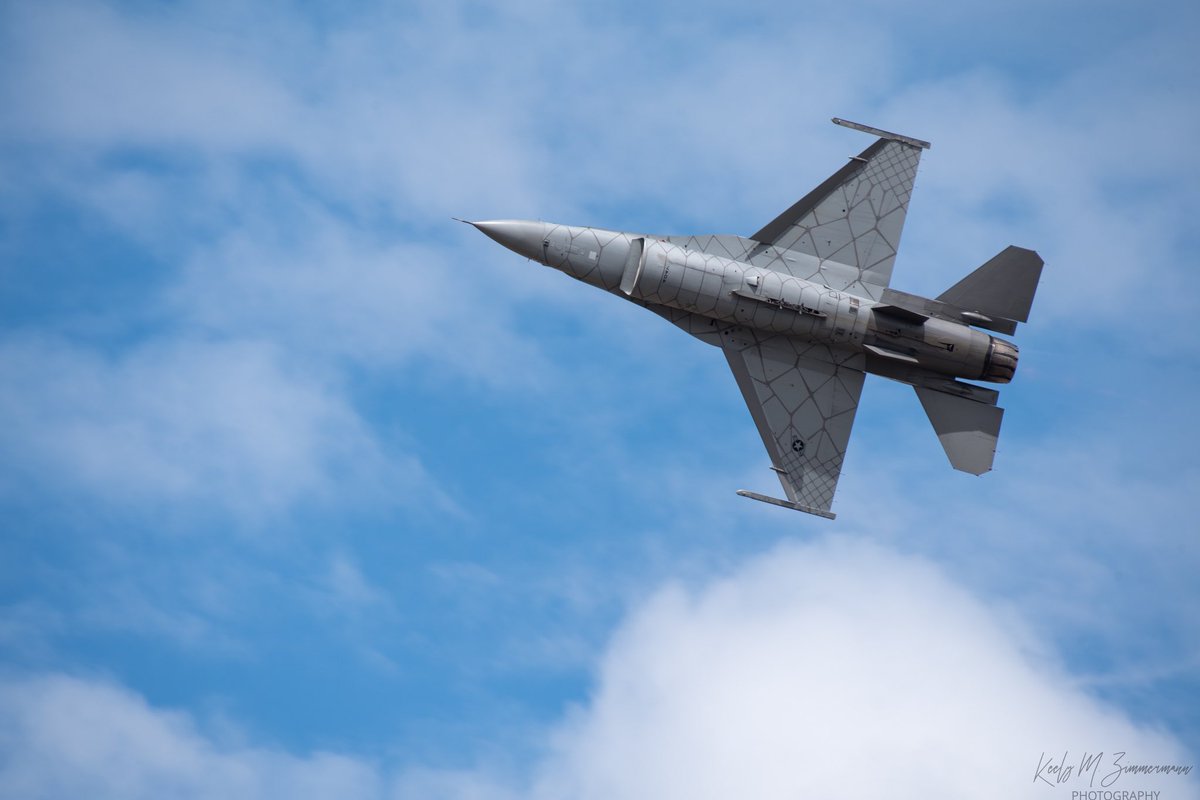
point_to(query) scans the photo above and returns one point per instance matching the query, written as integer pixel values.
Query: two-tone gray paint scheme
(802, 311)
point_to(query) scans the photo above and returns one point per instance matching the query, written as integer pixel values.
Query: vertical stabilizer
(1003, 288)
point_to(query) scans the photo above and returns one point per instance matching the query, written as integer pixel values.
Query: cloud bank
(831, 669)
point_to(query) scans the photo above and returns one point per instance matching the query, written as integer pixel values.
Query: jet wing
(855, 217)
(803, 398)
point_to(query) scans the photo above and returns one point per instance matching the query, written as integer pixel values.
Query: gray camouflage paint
(802, 311)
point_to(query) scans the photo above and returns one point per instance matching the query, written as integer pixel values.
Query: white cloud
(373, 109)
(476, 114)
(1076, 524)
(187, 420)
(336, 293)
(449, 110)
(91, 74)
(347, 589)
(68, 737)
(831, 669)
(1068, 167)
(835, 669)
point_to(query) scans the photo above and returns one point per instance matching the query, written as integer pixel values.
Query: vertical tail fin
(1001, 290)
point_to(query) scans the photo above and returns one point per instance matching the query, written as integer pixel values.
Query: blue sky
(308, 489)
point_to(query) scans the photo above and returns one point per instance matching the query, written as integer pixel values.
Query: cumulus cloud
(831, 669)
(836, 669)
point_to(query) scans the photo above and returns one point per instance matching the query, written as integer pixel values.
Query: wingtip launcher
(882, 134)
(775, 501)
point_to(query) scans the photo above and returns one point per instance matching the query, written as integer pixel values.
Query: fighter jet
(802, 311)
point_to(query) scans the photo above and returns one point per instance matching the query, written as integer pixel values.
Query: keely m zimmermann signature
(1056, 773)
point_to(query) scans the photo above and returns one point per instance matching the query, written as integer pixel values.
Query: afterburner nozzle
(1001, 361)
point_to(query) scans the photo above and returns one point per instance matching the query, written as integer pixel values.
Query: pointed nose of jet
(520, 236)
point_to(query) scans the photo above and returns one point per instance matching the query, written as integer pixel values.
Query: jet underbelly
(720, 288)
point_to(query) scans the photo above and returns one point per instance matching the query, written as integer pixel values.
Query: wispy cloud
(372, 128)
(189, 421)
(337, 294)
(73, 737)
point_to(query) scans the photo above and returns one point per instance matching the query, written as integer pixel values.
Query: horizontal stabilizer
(967, 429)
(1002, 289)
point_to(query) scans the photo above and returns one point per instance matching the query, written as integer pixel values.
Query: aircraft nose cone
(520, 236)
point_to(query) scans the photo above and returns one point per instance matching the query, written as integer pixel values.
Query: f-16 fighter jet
(802, 311)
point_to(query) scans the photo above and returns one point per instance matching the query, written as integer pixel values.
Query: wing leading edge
(803, 398)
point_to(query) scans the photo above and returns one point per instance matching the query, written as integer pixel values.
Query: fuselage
(656, 271)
